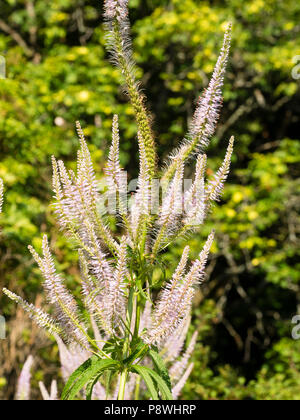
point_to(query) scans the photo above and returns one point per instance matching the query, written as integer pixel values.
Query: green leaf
(162, 385)
(161, 367)
(86, 373)
(143, 372)
(139, 351)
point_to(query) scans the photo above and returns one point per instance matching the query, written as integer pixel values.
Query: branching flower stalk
(126, 338)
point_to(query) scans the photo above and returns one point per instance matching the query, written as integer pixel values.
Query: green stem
(122, 386)
(137, 389)
(137, 316)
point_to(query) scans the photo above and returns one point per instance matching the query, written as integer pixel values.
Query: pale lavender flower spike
(53, 395)
(180, 384)
(116, 8)
(175, 301)
(23, 386)
(39, 316)
(178, 368)
(215, 187)
(207, 112)
(140, 208)
(58, 295)
(172, 347)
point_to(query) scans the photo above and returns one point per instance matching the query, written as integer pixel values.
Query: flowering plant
(127, 334)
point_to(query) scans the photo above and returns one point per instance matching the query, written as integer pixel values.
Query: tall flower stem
(137, 389)
(122, 385)
(124, 373)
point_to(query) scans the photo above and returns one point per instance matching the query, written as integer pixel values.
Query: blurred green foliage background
(58, 71)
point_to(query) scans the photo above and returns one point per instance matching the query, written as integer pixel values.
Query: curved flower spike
(206, 114)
